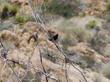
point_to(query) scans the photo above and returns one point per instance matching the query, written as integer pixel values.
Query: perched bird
(53, 36)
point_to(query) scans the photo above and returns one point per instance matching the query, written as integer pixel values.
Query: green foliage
(91, 24)
(108, 6)
(107, 14)
(82, 14)
(12, 7)
(22, 18)
(8, 10)
(62, 8)
(73, 35)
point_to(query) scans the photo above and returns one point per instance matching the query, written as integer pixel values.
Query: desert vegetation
(54, 40)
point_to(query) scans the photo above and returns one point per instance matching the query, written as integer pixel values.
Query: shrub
(74, 35)
(91, 24)
(82, 34)
(82, 14)
(107, 13)
(22, 18)
(108, 5)
(13, 8)
(100, 40)
(9, 10)
(68, 40)
(62, 8)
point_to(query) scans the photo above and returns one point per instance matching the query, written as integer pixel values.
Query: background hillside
(54, 40)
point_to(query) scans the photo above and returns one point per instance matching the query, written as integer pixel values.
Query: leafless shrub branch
(29, 65)
(44, 70)
(60, 49)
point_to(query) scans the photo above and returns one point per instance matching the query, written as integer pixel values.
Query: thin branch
(45, 30)
(79, 71)
(37, 17)
(71, 62)
(46, 74)
(5, 53)
(66, 72)
(42, 64)
(14, 72)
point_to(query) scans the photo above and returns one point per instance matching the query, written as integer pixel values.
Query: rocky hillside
(54, 41)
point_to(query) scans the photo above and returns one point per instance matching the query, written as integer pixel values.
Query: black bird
(53, 36)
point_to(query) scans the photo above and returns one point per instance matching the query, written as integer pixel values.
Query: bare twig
(45, 30)
(42, 64)
(79, 71)
(71, 62)
(14, 72)
(46, 74)
(6, 60)
(37, 17)
(66, 72)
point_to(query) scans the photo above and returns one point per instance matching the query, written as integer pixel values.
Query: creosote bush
(91, 24)
(22, 18)
(108, 6)
(107, 14)
(9, 10)
(12, 7)
(100, 41)
(74, 35)
(82, 35)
